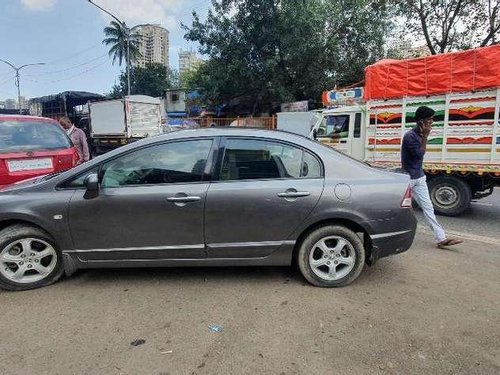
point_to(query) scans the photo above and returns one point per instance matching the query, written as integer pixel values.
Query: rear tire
(450, 196)
(29, 258)
(331, 256)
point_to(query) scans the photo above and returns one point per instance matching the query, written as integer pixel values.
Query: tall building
(187, 61)
(153, 45)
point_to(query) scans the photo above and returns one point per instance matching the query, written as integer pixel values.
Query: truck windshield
(334, 124)
(22, 136)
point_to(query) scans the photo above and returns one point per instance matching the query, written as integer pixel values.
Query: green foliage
(116, 37)
(151, 80)
(448, 25)
(270, 51)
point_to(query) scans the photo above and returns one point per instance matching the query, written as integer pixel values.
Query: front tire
(449, 195)
(29, 258)
(331, 256)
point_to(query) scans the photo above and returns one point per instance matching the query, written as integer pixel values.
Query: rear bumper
(385, 244)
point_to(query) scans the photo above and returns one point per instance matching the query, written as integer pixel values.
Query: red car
(32, 146)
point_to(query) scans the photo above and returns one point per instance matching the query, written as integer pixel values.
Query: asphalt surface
(427, 311)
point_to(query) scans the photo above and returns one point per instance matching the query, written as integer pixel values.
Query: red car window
(18, 136)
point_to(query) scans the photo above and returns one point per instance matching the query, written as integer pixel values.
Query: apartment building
(154, 45)
(187, 60)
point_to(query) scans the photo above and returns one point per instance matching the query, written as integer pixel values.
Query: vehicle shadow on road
(199, 275)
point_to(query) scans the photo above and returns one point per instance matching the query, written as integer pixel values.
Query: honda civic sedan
(207, 197)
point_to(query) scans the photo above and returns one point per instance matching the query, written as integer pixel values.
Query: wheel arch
(10, 222)
(348, 223)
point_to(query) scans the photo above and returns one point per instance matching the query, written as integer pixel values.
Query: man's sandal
(449, 242)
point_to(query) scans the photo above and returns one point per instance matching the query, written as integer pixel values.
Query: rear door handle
(185, 199)
(294, 194)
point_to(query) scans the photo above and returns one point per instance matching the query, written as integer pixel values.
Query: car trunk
(19, 166)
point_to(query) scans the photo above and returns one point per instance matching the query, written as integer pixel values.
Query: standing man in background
(412, 157)
(78, 138)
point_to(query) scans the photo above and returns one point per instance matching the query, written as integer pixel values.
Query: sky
(67, 35)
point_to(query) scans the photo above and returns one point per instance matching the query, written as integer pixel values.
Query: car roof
(25, 118)
(234, 131)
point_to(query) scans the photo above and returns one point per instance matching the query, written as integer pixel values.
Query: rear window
(31, 136)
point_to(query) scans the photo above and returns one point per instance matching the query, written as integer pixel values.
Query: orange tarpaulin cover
(470, 70)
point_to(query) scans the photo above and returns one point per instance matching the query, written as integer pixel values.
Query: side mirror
(91, 182)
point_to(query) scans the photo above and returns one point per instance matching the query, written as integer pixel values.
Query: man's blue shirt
(412, 156)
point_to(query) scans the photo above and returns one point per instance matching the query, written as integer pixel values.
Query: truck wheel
(331, 256)
(450, 196)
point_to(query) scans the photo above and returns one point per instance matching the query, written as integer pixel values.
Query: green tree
(270, 51)
(448, 25)
(116, 37)
(151, 80)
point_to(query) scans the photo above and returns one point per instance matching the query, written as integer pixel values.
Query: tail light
(75, 158)
(406, 202)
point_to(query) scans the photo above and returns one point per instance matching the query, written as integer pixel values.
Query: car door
(264, 191)
(149, 206)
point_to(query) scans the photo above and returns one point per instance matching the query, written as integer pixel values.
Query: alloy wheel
(27, 260)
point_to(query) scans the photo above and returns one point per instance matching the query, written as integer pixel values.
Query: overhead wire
(73, 55)
(73, 67)
(80, 73)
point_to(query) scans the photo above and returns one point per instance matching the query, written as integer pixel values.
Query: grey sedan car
(207, 197)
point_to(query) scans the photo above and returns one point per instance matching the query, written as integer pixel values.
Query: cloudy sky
(67, 36)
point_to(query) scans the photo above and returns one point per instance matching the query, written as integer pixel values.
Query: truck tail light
(406, 202)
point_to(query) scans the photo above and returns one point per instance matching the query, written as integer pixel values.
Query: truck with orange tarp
(462, 162)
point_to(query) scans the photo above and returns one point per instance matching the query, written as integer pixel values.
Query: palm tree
(117, 38)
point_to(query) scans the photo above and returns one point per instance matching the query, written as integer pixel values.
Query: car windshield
(18, 136)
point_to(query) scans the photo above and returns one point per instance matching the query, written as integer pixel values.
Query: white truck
(463, 152)
(297, 122)
(116, 122)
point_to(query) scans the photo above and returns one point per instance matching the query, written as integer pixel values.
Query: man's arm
(425, 136)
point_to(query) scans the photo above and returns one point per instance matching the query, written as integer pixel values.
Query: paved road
(425, 311)
(481, 219)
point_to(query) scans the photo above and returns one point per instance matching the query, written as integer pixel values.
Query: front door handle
(184, 199)
(293, 194)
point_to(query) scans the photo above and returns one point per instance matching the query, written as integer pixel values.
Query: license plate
(29, 164)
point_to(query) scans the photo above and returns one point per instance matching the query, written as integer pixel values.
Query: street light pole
(128, 32)
(17, 69)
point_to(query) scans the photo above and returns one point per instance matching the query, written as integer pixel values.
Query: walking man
(412, 157)
(78, 138)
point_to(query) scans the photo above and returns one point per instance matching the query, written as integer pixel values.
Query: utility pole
(17, 69)
(128, 32)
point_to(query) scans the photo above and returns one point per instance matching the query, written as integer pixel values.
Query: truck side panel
(107, 118)
(143, 119)
(465, 130)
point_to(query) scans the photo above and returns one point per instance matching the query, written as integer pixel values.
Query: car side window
(174, 162)
(247, 159)
(311, 167)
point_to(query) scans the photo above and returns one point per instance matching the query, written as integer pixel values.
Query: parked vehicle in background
(32, 146)
(462, 161)
(207, 197)
(297, 122)
(114, 123)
